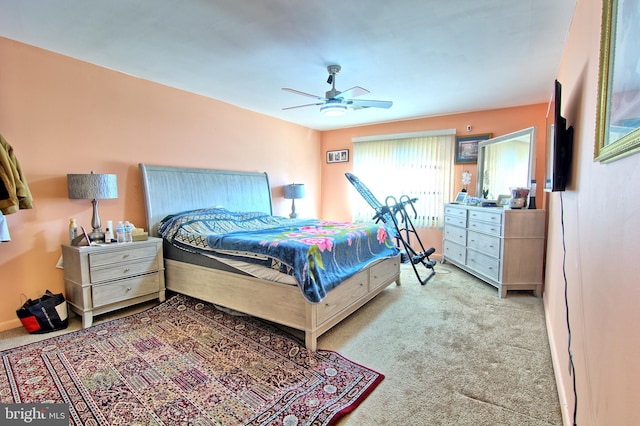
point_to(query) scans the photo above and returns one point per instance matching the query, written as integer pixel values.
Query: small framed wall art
(338, 156)
(467, 147)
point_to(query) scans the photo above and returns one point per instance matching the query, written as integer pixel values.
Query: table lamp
(294, 192)
(93, 187)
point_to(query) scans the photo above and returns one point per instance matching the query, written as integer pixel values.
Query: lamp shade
(92, 186)
(294, 191)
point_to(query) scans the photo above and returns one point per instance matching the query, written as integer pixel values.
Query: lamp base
(96, 236)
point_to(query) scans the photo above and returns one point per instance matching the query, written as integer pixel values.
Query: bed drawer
(117, 291)
(484, 264)
(381, 273)
(343, 296)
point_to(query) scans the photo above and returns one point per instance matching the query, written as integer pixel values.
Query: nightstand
(104, 278)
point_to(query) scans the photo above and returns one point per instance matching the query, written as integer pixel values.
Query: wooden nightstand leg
(161, 296)
(87, 319)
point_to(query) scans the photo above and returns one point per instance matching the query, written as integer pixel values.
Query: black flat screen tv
(559, 145)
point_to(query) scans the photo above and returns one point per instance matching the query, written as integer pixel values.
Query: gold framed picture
(618, 116)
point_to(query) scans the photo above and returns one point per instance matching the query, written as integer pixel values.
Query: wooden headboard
(169, 190)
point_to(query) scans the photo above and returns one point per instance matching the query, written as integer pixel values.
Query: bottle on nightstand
(73, 229)
(108, 232)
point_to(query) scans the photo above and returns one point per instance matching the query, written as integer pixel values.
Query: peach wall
(600, 215)
(65, 116)
(336, 189)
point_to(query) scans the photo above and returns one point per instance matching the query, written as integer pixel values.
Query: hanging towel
(4, 229)
(14, 191)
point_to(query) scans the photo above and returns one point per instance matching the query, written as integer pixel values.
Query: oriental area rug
(184, 362)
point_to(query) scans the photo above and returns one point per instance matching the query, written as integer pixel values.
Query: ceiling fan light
(333, 110)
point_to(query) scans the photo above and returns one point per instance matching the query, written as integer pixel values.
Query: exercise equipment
(394, 214)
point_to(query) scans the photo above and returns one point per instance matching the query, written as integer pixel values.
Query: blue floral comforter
(319, 254)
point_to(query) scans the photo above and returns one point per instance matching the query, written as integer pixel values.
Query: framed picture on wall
(467, 147)
(618, 117)
(338, 156)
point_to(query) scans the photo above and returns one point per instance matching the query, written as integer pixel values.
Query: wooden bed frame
(170, 190)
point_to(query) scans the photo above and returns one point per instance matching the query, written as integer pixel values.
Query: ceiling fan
(334, 102)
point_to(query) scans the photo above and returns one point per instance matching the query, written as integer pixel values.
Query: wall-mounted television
(559, 145)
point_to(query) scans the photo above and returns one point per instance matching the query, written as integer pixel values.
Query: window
(418, 166)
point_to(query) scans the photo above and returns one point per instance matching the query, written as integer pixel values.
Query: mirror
(505, 162)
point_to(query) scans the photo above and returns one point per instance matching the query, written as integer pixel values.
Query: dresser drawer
(486, 216)
(486, 265)
(455, 234)
(453, 251)
(131, 252)
(488, 228)
(456, 221)
(123, 270)
(455, 211)
(117, 291)
(486, 244)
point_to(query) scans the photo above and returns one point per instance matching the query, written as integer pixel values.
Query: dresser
(503, 247)
(103, 278)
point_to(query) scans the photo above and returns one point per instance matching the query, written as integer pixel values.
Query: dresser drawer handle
(124, 256)
(125, 270)
(128, 289)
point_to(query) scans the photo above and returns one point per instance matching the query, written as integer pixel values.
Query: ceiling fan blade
(362, 103)
(302, 106)
(354, 92)
(297, 92)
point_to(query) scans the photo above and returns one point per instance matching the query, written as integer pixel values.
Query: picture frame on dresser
(460, 197)
(503, 200)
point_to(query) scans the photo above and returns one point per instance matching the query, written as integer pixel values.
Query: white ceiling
(430, 57)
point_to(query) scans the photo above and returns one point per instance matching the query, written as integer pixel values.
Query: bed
(171, 190)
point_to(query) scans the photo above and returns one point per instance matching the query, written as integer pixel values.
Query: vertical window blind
(419, 167)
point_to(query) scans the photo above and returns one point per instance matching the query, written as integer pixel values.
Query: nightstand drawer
(131, 253)
(123, 270)
(125, 289)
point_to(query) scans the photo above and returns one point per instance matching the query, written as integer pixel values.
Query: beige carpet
(453, 353)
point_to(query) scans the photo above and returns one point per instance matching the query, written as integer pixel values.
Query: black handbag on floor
(48, 313)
